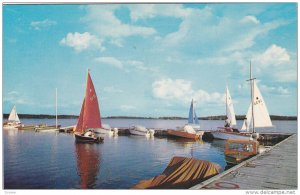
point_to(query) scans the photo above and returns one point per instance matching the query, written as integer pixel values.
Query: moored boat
(89, 118)
(46, 128)
(13, 121)
(106, 129)
(257, 116)
(186, 132)
(181, 173)
(237, 151)
(141, 130)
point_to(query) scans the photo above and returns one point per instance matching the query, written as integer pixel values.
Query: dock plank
(273, 169)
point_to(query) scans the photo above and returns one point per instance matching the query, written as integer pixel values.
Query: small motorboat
(186, 132)
(237, 151)
(106, 129)
(181, 173)
(141, 130)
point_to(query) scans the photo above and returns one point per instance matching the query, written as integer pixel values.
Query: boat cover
(140, 128)
(181, 173)
(189, 129)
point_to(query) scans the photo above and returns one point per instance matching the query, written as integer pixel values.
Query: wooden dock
(273, 169)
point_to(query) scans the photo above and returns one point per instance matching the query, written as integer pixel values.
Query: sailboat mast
(226, 102)
(55, 107)
(252, 94)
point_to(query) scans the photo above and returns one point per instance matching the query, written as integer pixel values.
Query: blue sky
(149, 59)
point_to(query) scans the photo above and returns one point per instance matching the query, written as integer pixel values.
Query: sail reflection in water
(88, 164)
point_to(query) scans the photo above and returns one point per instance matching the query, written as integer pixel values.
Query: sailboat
(49, 128)
(193, 119)
(188, 130)
(257, 116)
(13, 121)
(231, 120)
(89, 118)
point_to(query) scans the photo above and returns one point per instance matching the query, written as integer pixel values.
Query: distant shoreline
(218, 117)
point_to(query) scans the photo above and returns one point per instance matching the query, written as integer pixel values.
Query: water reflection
(88, 164)
(218, 144)
(11, 132)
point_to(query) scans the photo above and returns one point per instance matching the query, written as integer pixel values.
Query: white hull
(10, 127)
(230, 135)
(47, 130)
(135, 132)
(106, 131)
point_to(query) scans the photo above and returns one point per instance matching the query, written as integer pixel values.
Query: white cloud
(153, 10)
(210, 32)
(273, 56)
(110, 61)
(138, 65)
(277, 62)
(15, 97)
(38, 25)
(182, 91)
(82, 41)
(102, 21)
(117, 42)
(251, 19)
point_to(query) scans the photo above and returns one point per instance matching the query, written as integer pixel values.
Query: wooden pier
(273, 169)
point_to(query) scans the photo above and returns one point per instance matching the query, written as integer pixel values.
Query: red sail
(79, 126)
(90, 113)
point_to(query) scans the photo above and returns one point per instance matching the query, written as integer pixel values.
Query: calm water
(53, 160)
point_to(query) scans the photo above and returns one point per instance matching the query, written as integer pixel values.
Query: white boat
(228, 132)
(257, 116)
(141, 130)
(49, 128)
(223, 134)
(106, 129)
(193, 119)
(13, 121)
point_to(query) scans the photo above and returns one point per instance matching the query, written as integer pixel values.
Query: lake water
(54, 161)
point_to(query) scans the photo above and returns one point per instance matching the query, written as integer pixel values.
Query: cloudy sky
(149, 59)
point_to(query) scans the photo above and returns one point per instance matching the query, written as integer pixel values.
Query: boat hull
(137, 132)
(51, 128)
(83, 139)
(10, 127)
(234, 160)
(230, 135)
(104, 131)
(183, 134)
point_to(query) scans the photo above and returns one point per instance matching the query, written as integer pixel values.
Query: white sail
(260, 111)
(13, 116)
(230, 110)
